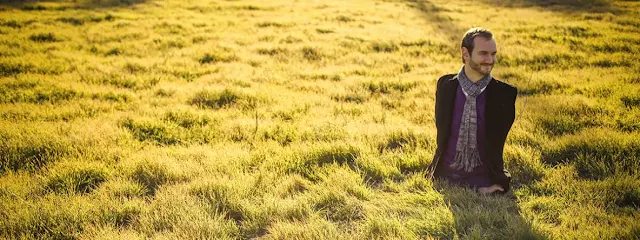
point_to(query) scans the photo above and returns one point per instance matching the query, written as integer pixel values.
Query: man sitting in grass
(474, 113)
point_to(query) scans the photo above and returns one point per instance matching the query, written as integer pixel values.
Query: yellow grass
(287, 119)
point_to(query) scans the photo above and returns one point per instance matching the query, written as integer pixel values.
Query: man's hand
(490, 189)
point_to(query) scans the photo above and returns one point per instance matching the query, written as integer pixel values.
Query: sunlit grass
(308, 120)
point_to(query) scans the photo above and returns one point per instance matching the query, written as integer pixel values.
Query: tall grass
(308, 120)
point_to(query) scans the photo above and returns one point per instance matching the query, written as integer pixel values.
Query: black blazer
(499, 115)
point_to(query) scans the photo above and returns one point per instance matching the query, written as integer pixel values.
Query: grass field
(288, 119)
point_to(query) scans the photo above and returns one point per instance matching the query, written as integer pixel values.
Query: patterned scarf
(467, 155)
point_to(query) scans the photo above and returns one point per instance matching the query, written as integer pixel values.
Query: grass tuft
(282, 133)
(217, 57)
(311, 53)
(376, 170)
(152, 175)
(11, 24)
(324, 31)
(273, 51)
(291, 114)
(215, 100)
(223, 199)
(164, 92)
(569, 119)
(388, 47)
(544, 61)
(13, 69)
(381, 227)
(71, 20)
(353, 97)
(316, 228)
(271, 24)
(527, 168)
(385, 87)
(631, 101)
(290, 39)
(114, 52)
(345, 19)
(53, 218)
(34, 92)
(541, 87)
(307, 163)
(36, 7)
(187, 119)
(596, 153)
(122, 215)
(113, 97)
(222, 99)
(43, 37)
(337, 206)
(76, 179)
(403, 141)
(178, 214)
(31, 150)
(152, 131)
(123, 189)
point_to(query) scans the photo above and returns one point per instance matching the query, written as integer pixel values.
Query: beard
(484, 69)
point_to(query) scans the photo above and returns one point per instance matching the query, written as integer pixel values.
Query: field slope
(287, 119)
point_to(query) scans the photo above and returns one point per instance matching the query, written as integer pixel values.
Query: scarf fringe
(466, 161)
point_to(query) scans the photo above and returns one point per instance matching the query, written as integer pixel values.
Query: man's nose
(490, 60)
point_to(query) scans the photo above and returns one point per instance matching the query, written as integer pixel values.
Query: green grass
(82, 180)
(32, 149)
(308, 120)
(151, 175)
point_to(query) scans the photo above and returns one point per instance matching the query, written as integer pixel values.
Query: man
(474, 113)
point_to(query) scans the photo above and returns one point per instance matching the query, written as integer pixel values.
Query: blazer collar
(449, 96)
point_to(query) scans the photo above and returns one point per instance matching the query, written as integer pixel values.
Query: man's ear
(465, 54)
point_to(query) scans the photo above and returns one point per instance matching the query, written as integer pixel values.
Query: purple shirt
(479, 176)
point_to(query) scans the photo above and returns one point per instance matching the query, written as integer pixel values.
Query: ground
(290, 119)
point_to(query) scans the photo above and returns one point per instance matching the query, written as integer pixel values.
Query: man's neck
(472, 74)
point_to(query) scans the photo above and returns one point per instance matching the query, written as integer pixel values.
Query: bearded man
(474, 113)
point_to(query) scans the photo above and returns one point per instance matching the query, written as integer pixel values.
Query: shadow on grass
(568, 6)
(38, 5)
(485, 217)
(443, 23)
(433, 12)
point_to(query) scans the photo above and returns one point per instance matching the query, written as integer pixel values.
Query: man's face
(483, 56)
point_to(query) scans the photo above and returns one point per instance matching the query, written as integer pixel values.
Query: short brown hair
(467, 40)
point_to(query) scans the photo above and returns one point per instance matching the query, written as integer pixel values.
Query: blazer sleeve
(504, 179)
(434, 162)
(512, 104)
(437, 107)
(440, 82)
